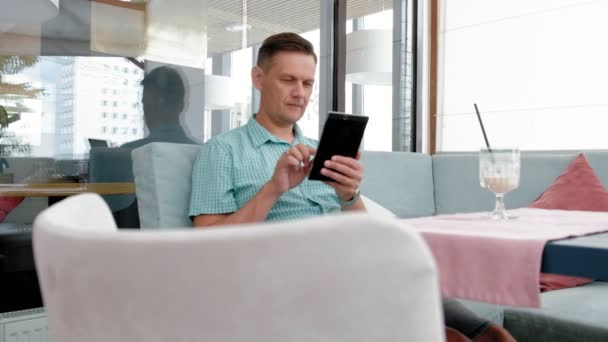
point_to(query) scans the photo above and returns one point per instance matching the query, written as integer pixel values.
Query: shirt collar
(260, 135)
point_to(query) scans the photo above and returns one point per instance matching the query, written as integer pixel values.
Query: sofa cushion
(374, 208)
(577, 188)
(402, 182)
(586, 303)
(457, 188)
(575, 314)
(599, 162)
(540, 327)
(163, 179)
(108, 165)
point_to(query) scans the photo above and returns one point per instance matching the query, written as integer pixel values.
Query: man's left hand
(346, 172)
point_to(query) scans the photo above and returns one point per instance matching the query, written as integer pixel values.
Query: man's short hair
(280, 42)
(167, 83)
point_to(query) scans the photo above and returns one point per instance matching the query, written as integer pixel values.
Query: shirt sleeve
(212, 181)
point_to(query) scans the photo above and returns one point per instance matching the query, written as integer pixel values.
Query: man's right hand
(293, 166)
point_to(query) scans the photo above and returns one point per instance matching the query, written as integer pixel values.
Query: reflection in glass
(119, 28)
(163, 102)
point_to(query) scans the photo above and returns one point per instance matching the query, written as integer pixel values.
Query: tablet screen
(341, 136)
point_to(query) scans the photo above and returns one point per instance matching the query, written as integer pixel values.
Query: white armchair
(333, 278)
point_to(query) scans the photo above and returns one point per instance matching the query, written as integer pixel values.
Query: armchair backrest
(163, 182)
(354, 278)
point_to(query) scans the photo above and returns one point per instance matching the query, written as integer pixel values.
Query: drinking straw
(483, 130)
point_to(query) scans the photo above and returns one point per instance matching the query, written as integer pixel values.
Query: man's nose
(298, 90)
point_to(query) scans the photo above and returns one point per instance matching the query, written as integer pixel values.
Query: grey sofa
(412, 185)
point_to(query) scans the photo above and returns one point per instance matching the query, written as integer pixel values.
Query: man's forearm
(256, 209)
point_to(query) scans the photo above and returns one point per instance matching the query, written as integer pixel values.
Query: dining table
(65, 189)
(501, 261)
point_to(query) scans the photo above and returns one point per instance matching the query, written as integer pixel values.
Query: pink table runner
(499, 261)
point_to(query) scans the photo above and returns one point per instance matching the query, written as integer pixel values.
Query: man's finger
(343, 169)
(304, 151)
(352, 162)
(292, 161)
(295, 152)
(311, 150)
(338, 177)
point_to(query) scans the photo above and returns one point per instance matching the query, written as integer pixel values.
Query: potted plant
(13, 93)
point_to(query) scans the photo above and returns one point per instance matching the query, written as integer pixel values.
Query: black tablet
(341, 136)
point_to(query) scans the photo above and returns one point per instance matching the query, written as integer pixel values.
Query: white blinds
(537, 69)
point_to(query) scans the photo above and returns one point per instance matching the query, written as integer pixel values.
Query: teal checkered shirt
(232, 167)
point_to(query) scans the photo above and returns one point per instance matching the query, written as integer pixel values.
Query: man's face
(147, 99)
(285, 85)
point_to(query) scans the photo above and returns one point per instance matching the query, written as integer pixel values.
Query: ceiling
(268, 17)
(69, 32)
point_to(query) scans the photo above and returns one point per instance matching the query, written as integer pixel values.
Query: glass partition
(83, 83)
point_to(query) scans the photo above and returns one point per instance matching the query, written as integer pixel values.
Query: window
(124, 116)
(114, 115)
(366, 95)
(104, 115)
(538, 84)
(104, 129)
(376, 85)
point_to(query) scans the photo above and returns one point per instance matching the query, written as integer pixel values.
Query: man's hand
(293, 166)
(347, 173)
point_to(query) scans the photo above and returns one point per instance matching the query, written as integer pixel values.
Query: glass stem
(499, 210)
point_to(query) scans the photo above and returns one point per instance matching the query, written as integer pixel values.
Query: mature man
(258, 172)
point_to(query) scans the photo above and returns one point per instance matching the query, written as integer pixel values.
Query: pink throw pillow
(577, 188)
(550, 282)
(7, 204)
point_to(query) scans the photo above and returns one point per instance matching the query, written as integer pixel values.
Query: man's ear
(257, 77)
